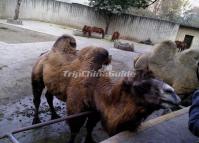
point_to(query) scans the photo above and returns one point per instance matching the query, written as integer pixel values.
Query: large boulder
(124, 46)
(178, 69)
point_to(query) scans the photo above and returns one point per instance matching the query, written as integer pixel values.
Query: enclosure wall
(77, 15)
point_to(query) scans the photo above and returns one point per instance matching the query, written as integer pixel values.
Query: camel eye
(168, 91)
(156, 91)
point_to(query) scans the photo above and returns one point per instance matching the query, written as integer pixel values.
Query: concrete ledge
(17, 22)
(125, 136)
(3, 43)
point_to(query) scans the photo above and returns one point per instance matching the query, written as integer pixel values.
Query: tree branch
(152, 2)
(97, 5)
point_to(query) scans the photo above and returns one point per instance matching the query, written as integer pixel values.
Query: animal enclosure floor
(13, 35)
(20, 114)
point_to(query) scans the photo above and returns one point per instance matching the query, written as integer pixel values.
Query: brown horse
(88, 29)
(115, 36)
(181, 45)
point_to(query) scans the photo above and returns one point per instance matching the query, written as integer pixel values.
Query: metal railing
(12, 138)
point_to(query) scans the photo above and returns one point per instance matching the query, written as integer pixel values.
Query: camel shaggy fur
(120, 105)
(176, 69)
(49, 72)
(62, 52)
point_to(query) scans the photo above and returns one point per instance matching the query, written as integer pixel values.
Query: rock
(17, 22)
(124, 46)
(147, 42)
(177, 69)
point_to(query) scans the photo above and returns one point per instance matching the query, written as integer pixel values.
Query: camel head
(154, 94)
(151, 92)
(95, 56)
(133, 99)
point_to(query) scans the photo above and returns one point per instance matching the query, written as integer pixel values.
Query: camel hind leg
(37, 88)
(49, 98)
(73, 107)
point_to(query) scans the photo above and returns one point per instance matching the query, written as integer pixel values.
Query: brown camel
(120, 105)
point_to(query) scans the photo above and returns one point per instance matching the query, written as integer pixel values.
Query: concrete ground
(16, 61)
(10, 34)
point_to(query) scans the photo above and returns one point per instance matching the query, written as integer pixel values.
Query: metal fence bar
(13, 139)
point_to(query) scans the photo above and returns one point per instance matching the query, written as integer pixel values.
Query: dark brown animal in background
(115, 36)
(99, 31)
(181, 45)
(62, 52)
(120, 105)
(88, 29)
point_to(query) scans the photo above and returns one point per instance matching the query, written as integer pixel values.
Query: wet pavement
(20, 114)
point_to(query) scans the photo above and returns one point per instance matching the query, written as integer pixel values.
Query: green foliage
(191, 17)
(110, 7)
(118, 6)
(171, 9)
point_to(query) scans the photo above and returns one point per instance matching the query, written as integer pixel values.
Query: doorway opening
(188, 39)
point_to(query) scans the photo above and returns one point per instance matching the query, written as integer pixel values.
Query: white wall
(189, 31)
(55, 12)
(78, 15)
(7, 8)
(143, 28)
